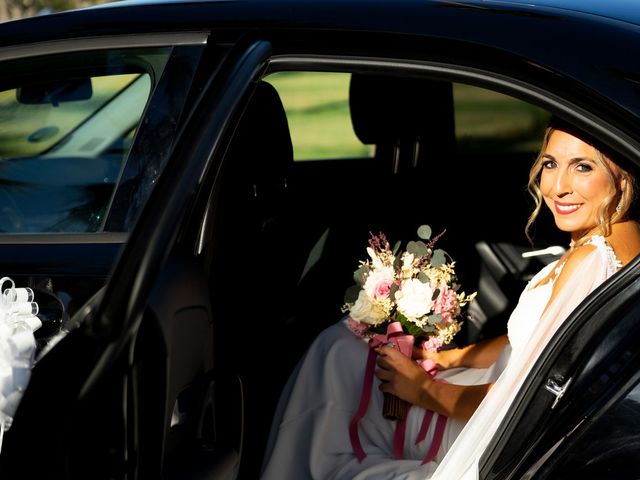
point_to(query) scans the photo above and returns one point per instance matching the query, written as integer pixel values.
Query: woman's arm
(477, 355)
(402, 377)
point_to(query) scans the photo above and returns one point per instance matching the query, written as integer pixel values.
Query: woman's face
(573, 184)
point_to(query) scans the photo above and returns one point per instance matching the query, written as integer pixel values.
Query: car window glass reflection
(65, 136)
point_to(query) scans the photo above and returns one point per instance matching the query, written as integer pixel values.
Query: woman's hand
(476, 355)
(443, 359)
(400, 375)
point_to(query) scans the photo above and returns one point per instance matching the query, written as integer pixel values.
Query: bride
(590, 197)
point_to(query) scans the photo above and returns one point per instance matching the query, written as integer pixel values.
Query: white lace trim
(613, 264)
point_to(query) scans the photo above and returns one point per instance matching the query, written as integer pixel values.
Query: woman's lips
(566, 208)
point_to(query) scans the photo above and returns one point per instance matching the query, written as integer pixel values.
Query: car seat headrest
(261, 150)
(387, 109)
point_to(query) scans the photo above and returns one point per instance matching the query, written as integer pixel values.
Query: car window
(491, 122)
(67, 123)
(317, 107)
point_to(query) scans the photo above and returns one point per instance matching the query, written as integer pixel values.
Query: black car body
(175, 231)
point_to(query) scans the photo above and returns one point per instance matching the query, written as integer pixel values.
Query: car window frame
(526, 90)
(187, 41)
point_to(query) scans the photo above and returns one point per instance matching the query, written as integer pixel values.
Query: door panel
(130, 366)
(76, 431)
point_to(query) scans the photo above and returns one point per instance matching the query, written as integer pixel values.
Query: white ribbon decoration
(18, 321)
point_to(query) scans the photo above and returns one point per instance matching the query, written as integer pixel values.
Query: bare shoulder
(573, 260)
(625, 240)
(570, 264)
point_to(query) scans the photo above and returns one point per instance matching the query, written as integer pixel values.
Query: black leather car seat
(261, 243)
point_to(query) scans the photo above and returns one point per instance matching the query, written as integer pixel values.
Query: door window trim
(518, 88)
(81, 44)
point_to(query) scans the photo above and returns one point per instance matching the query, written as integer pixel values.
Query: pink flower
(432, 344)
(446, 304)
(378, 283)
(359, 328)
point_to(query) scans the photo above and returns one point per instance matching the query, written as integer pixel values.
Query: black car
(188, 186)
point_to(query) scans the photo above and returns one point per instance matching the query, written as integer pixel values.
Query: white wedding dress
(310, 439)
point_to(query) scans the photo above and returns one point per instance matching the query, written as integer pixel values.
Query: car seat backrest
(259, 255)
(409, 120)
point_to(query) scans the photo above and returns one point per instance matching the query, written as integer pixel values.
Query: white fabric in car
(310, 437)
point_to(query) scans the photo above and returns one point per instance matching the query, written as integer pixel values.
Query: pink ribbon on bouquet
(404, 343)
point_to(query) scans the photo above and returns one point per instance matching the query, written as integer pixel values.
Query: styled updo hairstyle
(617, 207)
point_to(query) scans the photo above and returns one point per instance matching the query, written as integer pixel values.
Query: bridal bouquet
(414, 291)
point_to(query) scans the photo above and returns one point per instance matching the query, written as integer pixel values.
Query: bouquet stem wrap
(396, 336)
(394, 408)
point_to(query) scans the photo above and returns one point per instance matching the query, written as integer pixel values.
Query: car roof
(621, 10)
(582, 50)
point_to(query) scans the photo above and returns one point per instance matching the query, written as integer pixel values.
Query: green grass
(318, 111)
(317, 106)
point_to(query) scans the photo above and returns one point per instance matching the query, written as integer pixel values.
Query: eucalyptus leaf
(434, 319)
(409, 327)
(424, 232)
(428, 329)
(358, 275)
(436, 292)
(423, 277)
(351, 295)
(392, 291)
(438, 258)
(418, 249)
(396, 247)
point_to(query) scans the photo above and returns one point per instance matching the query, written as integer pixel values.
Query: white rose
(366, 311)
(378, 282)
(414, 299)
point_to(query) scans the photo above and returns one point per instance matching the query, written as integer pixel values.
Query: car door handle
(556, 389)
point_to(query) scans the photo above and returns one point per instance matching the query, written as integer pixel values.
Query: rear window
(490, 122)
(317, 108)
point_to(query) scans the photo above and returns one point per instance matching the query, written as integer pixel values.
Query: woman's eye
(583, 167)
(547, 164)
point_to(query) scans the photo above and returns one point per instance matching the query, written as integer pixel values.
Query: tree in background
(12, 9)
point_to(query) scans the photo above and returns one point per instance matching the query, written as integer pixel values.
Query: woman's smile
(566, 208)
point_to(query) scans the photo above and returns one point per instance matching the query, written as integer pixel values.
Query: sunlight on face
(573, 184)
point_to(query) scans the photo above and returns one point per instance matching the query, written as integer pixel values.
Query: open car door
(132, 390)
(576, 415)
